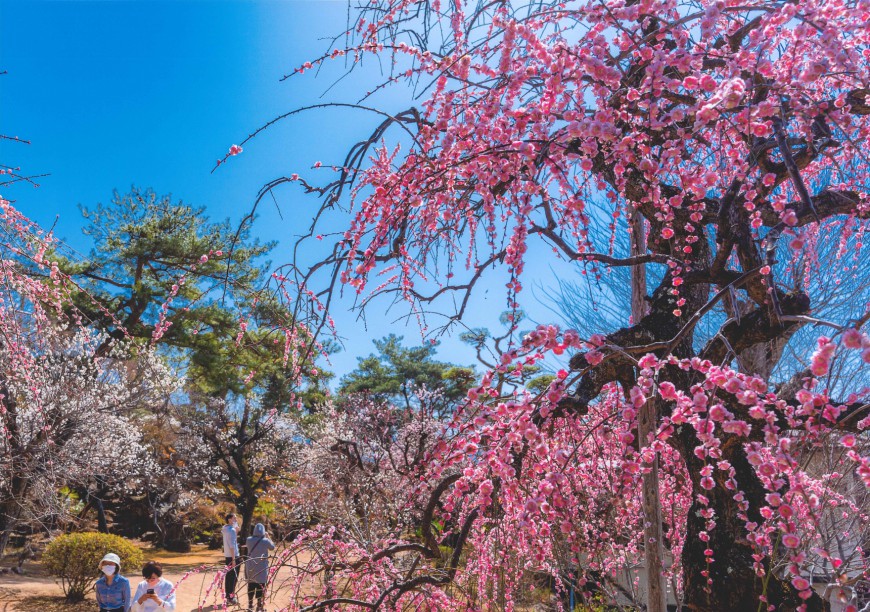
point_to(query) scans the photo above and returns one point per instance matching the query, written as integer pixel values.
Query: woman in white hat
(113, 590)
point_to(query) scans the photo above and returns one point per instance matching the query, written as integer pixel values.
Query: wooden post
(638, 273)
(652, 517)
(656, 596)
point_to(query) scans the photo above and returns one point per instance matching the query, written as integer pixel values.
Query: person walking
(230, 533)
(112, 589)
(155, 593)
(257, 566)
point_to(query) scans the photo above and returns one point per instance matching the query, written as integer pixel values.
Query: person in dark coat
(257, 565)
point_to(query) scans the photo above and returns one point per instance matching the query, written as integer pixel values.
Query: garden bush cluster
(74, 559)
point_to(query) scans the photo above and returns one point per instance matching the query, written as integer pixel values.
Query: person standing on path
(257, 566)
(112, 589)
(230, 533)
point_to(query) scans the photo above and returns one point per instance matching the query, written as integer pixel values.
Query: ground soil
(35, 591)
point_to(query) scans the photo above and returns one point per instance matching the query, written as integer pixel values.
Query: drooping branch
(825, 204)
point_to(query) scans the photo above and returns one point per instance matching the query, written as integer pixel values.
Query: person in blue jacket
(230, 533)
(113, 590)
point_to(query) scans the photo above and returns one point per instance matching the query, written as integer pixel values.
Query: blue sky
(151, 93)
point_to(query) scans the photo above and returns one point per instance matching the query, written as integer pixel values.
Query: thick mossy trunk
(730, 582)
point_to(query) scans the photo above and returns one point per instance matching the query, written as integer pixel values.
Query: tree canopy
(150, 251)
(728, 137)
(397, 372)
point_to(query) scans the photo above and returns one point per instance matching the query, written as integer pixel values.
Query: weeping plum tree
(736, 132)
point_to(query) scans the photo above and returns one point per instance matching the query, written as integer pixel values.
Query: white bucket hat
(112, 558)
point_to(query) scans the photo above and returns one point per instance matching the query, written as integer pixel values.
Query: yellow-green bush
(74, 558)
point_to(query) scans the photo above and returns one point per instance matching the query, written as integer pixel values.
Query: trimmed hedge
(73, 559)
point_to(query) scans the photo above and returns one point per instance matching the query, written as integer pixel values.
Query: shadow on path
(51, 604)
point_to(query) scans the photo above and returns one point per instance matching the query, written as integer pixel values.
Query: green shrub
(74, 557)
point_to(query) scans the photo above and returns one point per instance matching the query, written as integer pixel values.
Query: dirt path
(37, 592)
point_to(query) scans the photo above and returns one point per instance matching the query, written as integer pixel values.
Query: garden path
(35, 591)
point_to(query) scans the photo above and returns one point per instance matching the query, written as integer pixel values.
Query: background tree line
(190, 413)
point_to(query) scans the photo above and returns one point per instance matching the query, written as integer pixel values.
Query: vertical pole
(571, 595)
(652, 517)
(646, 425)
(638, 273)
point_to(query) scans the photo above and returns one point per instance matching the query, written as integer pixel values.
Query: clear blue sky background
(151, 93)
